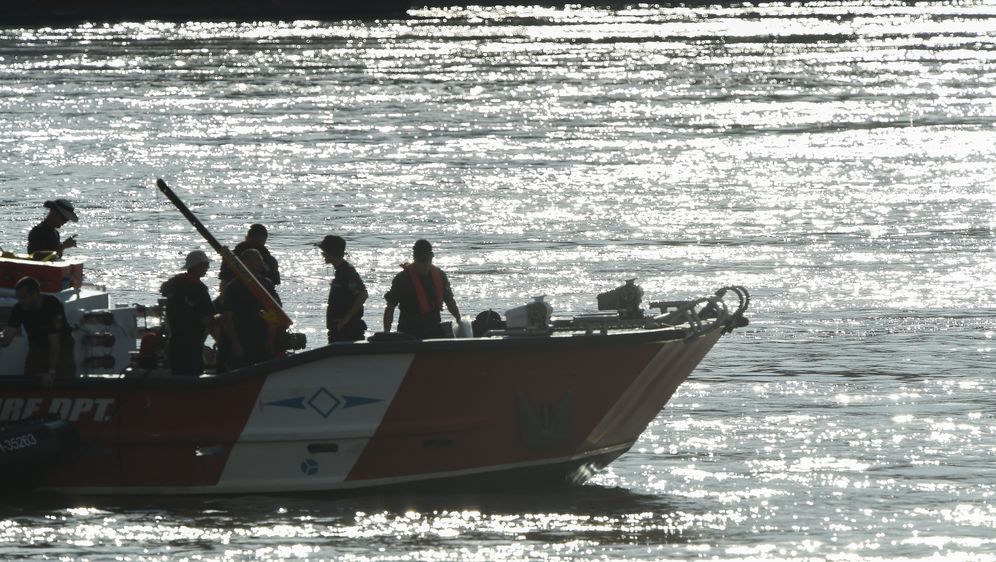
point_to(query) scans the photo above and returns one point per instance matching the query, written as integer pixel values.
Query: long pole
(273, 313)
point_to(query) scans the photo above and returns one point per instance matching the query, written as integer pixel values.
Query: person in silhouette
(256, 239)
(347, 293)
(420, 291)
(189, 312)
(50, 339)
(43, 239)
(247, 334)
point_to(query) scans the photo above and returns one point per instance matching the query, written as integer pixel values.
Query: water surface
(835, 159)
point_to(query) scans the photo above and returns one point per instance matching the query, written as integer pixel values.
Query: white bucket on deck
(519, 317)
(463, 329)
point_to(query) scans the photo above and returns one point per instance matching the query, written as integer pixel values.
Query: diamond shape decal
(324, 402)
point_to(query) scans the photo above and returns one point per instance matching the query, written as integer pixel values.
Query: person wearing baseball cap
(44, 238)
(347, 293)
(189, 311)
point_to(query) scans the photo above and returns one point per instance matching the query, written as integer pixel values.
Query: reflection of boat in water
(70, 11)
(544, 403)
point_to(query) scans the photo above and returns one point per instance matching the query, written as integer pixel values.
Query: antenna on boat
(273, 312)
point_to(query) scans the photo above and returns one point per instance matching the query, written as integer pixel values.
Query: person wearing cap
(347, 293)
(189, 312)
(50, 339)
(255, 239)
(245, 331)
(44, 237)
(420, 291)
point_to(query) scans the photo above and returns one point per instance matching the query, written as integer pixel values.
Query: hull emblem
(309, 467)
(323, 402)
(546, 427)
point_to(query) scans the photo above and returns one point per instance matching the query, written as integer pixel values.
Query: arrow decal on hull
(359, 401)
(296, 403)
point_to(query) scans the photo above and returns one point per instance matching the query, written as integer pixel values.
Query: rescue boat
(527, 400)
(545, 402)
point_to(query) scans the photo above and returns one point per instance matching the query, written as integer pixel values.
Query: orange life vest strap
(423, 299)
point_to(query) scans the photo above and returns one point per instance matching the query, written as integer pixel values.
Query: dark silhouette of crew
(247, 334)
(256, 239)
(420, 291)
(347, 293)
(43, 240)
(189, 312)
(50, 339)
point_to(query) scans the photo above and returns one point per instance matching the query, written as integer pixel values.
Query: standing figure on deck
(420, 291)
(344, 315)
(249, 338)
(189, 312)
(50, 340)
(255, 240)
(45, 236)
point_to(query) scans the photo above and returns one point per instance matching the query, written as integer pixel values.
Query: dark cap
(333, 245)
(64, 207)
(422, 249)
(30, 284)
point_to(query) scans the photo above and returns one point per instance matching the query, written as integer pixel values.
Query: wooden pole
(273, 313)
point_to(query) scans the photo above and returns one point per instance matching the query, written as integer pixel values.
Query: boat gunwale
(524, 342)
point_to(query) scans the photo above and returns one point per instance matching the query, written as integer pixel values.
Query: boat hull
(529, 410)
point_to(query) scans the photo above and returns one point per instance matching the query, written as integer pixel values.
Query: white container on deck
(533, 315)
(463, 328)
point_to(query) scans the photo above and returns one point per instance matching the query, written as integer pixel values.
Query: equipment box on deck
(53, 276)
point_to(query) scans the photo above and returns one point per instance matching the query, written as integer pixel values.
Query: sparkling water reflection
(833, 158)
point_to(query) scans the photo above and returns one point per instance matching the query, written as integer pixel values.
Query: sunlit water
(836, 160)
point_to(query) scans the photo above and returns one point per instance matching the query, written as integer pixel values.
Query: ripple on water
(832, 157)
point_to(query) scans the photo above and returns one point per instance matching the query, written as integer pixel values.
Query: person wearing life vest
(246, 333)
(420, 291)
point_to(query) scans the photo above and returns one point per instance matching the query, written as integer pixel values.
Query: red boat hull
(357, 416)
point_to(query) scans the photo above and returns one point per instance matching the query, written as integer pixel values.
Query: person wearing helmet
(189, 311)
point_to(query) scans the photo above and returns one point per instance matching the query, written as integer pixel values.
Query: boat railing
(705, 314)
(695, 316)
